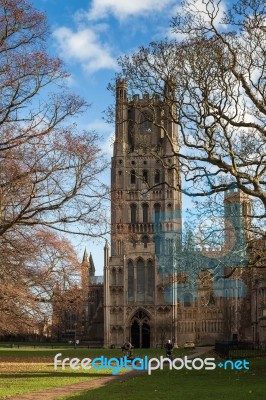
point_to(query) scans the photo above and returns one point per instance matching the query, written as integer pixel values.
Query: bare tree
(211, 84)
(49, 172)
(36, 267)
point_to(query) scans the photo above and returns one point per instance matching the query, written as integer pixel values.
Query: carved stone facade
(132, 282)
(136, 304)
(143, 273)
(258, 291)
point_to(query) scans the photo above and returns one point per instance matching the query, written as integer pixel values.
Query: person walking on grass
(169, 349)
(127, 349)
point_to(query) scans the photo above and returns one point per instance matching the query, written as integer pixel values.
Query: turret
(121, 128)
(87, 269)
(237, 211)
(170, 116)
(106, 254)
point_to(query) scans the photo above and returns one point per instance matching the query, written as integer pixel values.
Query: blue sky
(89, 36)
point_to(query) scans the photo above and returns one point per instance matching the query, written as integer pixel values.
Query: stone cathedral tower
(143, 177)
(156, 288)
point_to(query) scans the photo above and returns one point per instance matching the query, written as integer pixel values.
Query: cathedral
(153, 289)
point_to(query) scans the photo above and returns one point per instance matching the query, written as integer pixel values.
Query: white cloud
(121, 9)
(203, 10)
(169, 34)
(198, 7)
(84, 46)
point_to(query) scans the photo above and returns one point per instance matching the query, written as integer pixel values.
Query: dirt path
(58, 392)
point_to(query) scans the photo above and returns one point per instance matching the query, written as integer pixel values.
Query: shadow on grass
(53, 375)
(183, 384)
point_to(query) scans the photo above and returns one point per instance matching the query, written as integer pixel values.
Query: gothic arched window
(157, 245)
(132, 177)
(120, 178)
(130, 281)
(145, 240)
(133, 213)
(157, 176)
(169, 211)
(140, 280)
(150, 281)
(157, 212)
(145, 209)
(145, 176)
(145, 123)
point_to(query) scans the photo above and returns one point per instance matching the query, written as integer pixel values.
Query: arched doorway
(140, 330)
(135, 336)
(145, 336)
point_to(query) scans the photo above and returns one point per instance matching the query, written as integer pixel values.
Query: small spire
(84, 270)
(92, 267)
(106, 253)
(85, 256)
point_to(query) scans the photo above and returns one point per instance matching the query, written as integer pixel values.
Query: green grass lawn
(245, 353)
(24, 378)
(28, 370)
(43, 354)
(187, 385)
(37, 344)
